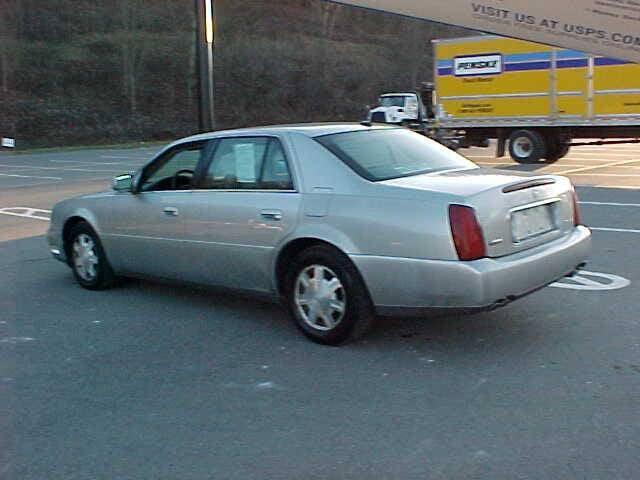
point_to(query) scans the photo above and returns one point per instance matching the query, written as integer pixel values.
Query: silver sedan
(341, 222)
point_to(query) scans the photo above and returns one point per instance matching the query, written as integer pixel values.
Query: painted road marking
(611, 204)
(84, 162)
(13, 175)
(15, 340)
(617, 187)
(594, 174)
(619, 230)
(125, 157)
(26, 212)
(31, 167)
(550, 165)
(581, 281)
(604, 165)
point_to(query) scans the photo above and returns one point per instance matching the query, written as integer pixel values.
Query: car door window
(173, 171)
(275, 170)
(248, 163)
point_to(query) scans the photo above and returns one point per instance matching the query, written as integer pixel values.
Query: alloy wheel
(85, 258)
(320, 297)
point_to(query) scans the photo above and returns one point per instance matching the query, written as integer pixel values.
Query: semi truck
(535, 100)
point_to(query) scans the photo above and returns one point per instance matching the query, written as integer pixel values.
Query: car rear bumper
(400, 285)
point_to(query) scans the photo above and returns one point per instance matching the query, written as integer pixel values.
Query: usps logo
(478, 65)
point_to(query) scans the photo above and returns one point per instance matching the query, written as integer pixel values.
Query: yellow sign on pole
(609, 28)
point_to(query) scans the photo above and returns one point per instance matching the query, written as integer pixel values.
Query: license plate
(532, 222)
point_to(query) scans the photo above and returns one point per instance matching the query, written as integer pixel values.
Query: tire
(328, 325)
(87, 259)
(557, 150)
(527, 146)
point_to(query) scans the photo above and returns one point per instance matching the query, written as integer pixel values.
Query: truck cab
(398, 108)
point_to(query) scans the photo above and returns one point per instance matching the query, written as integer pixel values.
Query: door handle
(271, 214)
(171, 211)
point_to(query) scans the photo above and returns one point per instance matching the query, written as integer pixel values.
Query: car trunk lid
(516, 211)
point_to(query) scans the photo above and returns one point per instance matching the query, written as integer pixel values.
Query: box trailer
(537, 99)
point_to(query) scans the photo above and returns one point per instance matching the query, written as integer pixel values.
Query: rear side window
(248, 163)
(275, 169)
(391, 153)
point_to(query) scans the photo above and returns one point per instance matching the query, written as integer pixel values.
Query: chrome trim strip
(244, 190)
(175, 240)
(535, 204)
(197, 190)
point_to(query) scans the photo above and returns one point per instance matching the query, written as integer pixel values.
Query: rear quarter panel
(368, 218)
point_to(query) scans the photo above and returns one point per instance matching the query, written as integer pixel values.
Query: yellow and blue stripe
(520, 62)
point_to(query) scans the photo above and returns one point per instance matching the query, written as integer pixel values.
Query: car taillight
(576, 209)
(466, 232)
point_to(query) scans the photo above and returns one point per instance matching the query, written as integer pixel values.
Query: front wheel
(327, 297)
(87, 259)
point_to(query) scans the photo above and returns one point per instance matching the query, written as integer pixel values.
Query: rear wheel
(558, 148)
(527, 146)
(327, 297)
(87, 259)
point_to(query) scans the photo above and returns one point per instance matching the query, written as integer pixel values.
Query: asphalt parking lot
(153, 381)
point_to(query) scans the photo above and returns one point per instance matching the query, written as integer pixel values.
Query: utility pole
(205, 40)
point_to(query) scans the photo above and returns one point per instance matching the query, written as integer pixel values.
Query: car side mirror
(123, 183)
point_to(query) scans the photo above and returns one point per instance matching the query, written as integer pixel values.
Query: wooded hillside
(81, 72)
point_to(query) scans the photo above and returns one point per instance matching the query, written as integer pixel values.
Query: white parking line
(28, 176)
(123, 157)
(31, 167)
(584, 162)
(618, 230)
(577, 151)
(600, 175)
(604, 165)
(581, 281)
(612, 204)
(84, 162)
(580, 158)
(26, 212)
(550, 165)
(617, 187)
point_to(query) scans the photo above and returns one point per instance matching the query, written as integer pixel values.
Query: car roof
(309, 129)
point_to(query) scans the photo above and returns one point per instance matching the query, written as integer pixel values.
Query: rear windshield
(391, 153)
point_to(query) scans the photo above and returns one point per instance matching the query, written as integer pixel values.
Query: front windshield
(392, 153)
(392, 101)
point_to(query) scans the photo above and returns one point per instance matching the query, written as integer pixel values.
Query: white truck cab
(398, 108)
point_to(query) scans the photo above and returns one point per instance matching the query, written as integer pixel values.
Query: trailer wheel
(527, 146)
(557, 150)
